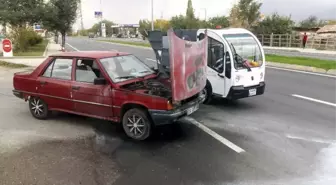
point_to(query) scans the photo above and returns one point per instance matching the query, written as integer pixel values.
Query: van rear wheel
(136, 124)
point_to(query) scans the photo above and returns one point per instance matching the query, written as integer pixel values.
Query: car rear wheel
(136, 124)
(38, 108)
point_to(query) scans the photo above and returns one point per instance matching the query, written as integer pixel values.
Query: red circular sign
(7, 45)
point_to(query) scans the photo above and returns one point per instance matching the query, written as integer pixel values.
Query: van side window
(215, 55)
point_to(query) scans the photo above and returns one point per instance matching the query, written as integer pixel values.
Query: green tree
(275, 24)
(144, 25)
(246, 14)
(190, 20)
(178, 22)
(21, 12)
(311, 22)
(108, 25)
(60, 16)
(222, 21)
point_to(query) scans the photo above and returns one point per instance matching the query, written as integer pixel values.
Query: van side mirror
(99, 81)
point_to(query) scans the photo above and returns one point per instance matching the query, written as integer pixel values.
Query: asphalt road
(286, 139)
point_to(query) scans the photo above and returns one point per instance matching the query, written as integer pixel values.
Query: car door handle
(220, 75)
(75, 87)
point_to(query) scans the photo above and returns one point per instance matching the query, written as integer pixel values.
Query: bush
(23, 38)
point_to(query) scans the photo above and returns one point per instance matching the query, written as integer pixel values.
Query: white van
(243, 72)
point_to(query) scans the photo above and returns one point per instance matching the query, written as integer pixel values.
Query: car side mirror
(99, 81)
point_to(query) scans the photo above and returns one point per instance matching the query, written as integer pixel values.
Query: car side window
(60, 68)
(87, 70)
(215, 55)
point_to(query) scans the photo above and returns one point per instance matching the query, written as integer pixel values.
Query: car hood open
(183, 61)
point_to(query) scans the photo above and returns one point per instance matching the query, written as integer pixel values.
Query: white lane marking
(72, 47)
(151, 59)
(215, 135)
(315, 140)
(314, 100)
(303, 72)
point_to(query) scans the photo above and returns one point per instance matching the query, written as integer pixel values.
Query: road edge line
(313, 100)
(303, 72)
(72, 47)
(215, 135)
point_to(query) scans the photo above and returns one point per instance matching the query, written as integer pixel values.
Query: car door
(91, 99)
(53, 84)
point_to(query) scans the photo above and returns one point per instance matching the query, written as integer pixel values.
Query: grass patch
(303, 61)
(36, 50)
(11, 65)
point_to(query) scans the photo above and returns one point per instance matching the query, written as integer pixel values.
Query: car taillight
(169, 105)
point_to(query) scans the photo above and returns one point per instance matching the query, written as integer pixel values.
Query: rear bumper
(18, 94)
(238, 92)
(162, 117)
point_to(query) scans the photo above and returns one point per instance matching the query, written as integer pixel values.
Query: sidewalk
(52, 48)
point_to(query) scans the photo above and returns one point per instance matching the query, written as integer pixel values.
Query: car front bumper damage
(162, 117)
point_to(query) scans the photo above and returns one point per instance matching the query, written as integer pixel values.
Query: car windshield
(121, 68)
(246, 51)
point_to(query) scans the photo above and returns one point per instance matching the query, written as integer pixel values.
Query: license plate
(252, 92)
(192, 109)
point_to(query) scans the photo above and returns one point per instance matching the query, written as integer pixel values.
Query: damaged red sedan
(107, 85)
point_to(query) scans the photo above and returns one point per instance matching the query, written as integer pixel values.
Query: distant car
(91, 35)
(107, 85)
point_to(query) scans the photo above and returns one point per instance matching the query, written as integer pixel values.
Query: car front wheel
(136, 124)
(38, 108)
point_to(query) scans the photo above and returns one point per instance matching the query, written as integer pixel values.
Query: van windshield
(246, 51)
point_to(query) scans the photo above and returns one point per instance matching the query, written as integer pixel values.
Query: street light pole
(205, 13)
(152, 14)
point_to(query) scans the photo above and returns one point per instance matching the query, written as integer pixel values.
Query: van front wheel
(207, 91)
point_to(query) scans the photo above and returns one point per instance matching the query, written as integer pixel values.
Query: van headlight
(237, 78)
(261, 75)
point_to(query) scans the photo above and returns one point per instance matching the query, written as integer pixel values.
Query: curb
(302, 68)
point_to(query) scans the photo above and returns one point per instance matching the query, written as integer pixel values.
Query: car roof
(90, 54)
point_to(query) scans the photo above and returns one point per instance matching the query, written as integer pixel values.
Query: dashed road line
(215, 135)
(314, 100)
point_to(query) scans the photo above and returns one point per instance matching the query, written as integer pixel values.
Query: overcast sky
(130, 11)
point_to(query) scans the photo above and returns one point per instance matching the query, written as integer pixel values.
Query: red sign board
(7, 45)
(188, 66)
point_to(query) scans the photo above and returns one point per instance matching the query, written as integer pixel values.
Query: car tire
(207, 91)
(137, 124)
(38, 108)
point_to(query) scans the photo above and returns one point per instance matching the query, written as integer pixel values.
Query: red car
(108, 85)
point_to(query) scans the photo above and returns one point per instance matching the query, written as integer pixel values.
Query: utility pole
(152, 15)
(81, 15)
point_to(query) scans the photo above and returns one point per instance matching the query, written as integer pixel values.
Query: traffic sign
(7, 48)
